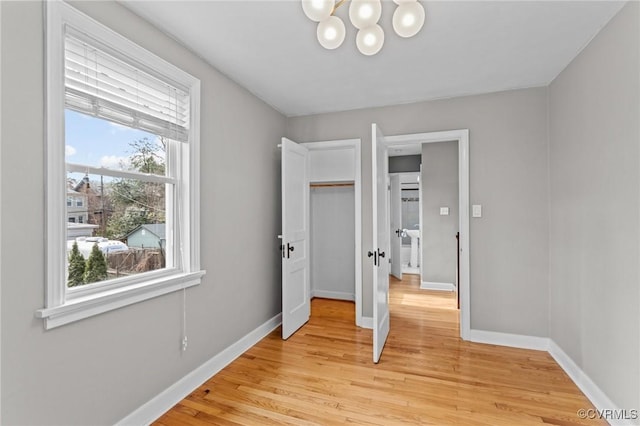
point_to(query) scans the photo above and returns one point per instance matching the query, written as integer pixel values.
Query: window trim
(59, 308)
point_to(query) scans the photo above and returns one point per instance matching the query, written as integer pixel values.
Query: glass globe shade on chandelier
(408, 20)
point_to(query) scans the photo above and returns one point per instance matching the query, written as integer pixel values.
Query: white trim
(358, 236)
(55, 192)
(462, 137)
(163, 402)
(428, 285)
(338, 295)
(597, 397)
(144, 177)
(357, 178)
(420, 222)
(63, 305)
(367, 322)
(81, 308)
(1, 203)
(511, 340)
(587, 386)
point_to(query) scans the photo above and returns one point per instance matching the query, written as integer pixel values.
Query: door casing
(356, 177)
(462, 138)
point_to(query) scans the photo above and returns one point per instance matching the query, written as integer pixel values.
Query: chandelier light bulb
(331, 32)
(369, 40)
(408, 19)
(318, 10)
(364, 13)
(399, 2)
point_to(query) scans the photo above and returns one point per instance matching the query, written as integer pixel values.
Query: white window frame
(64, 305)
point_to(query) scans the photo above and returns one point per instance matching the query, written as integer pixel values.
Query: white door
(395, 201)
(296, 304)
(380, 173)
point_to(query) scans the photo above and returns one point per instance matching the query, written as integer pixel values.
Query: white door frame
(394, 206)
(419, 189)
(462, 137)
(0, 233)
(355, 145)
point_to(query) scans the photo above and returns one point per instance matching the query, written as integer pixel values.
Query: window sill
(95, 304)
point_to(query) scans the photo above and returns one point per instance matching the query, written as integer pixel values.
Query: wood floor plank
(427, 375)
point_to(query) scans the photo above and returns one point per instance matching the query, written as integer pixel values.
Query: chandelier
(408, 19)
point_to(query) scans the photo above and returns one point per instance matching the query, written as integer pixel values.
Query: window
(116, 88)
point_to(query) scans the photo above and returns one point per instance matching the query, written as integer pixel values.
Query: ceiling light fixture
(408, 20)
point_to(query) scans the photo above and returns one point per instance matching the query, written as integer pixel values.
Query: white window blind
(99, 84)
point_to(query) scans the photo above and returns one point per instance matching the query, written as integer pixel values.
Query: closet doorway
(321, 227)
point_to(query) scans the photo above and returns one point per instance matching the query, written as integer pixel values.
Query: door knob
(375, 257)
(398, 232)
(290, 248)
(380, 253)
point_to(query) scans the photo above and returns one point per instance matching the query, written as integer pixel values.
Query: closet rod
(327, 185)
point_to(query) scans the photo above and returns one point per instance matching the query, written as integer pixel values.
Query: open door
(380, 210)
(296, 303)
(395, 201)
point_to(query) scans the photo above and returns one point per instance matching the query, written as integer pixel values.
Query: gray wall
(439, 181)
(508, 167)
(332, 240)
(594, 209)
(98, 370)
(586, 227)
(404, 163)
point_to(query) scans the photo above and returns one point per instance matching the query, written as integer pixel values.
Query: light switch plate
(476, 210)
(444, 211)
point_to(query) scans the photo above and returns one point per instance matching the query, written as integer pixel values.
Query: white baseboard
(367, 322)
(597, 397)
(338, 295)
(160, 404)
(427, 285)
(511, 340)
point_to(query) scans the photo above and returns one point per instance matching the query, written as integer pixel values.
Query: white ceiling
(465, 47)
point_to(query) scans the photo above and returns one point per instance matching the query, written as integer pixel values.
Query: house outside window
(95, 75)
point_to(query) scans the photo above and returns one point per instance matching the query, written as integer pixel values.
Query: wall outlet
(444, 211)
(476, 210)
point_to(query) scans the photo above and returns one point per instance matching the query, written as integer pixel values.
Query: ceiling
(464, 48)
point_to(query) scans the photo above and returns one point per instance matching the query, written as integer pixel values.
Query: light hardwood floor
(324, 374)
